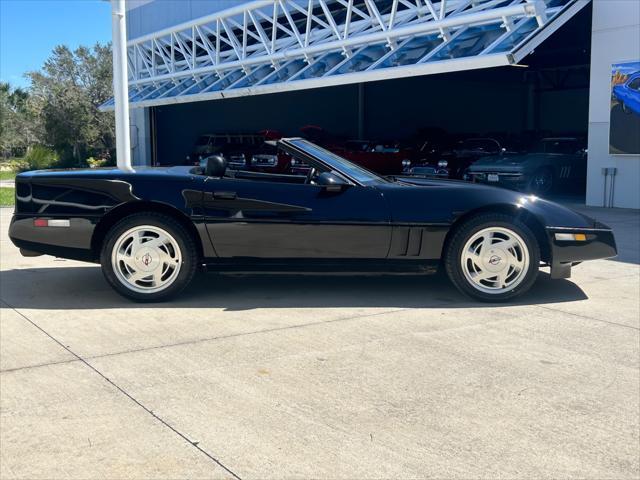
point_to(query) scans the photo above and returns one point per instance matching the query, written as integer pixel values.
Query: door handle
(225, 195)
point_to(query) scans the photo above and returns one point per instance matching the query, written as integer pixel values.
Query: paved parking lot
(320, 376)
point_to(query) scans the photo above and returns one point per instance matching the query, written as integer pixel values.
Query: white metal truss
(266, 46)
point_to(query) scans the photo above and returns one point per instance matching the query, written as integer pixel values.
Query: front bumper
(512, 180)
(600, 243)
(428, 172)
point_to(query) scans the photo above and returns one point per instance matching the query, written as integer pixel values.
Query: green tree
(66, 95)
(17, 126)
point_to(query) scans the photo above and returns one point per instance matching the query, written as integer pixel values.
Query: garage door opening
(545, 96)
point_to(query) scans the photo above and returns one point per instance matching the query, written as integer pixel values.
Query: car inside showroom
(520, 94)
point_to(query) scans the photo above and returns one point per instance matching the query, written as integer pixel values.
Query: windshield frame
(352, 171)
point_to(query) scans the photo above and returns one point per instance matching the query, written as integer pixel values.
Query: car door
(273, 219)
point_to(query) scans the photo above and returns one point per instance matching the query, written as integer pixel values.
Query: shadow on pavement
(85, 288)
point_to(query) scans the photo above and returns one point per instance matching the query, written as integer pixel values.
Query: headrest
(215, 166)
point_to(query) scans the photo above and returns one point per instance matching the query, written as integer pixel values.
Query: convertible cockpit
(307, 173)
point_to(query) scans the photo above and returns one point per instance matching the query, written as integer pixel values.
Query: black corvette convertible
(152, 228)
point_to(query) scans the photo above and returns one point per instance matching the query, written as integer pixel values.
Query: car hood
(504, 160)
(431, 182)
(407, 196)
(470, 153)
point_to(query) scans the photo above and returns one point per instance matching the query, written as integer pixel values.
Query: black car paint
(316, 226)
(394, 223)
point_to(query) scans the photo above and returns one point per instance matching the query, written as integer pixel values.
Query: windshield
(556, 146)
(481, 144)
(361, 175)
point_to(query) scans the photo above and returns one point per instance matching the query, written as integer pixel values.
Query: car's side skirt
(317, 266)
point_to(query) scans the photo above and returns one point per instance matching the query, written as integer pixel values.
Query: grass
(7, 196)
(10, 165)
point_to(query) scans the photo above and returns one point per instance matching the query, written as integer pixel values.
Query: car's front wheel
(541, 182)
(148, 257)
(493, 258)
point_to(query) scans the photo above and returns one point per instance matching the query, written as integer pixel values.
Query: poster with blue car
(624, 127)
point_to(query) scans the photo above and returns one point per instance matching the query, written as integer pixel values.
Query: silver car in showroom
(551, 164)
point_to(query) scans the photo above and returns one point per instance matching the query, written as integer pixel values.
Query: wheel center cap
(494, 260)
(147, 260)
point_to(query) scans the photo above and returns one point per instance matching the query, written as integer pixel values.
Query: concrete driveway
(320, 376)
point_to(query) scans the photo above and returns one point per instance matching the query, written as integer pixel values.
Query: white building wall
(615, 39)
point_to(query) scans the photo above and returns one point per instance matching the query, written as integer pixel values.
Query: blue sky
(626, 68)
(29, 29)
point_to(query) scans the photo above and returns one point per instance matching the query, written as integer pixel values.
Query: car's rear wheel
(493, 258)
(148, 257)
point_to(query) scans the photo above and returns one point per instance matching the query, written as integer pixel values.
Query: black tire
(542, 181)
(464, 232)
(186, 246)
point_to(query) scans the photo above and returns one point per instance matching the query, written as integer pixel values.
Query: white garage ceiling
(268, 46)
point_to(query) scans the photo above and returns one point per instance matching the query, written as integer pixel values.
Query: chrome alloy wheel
(495, 260)
(146, 259)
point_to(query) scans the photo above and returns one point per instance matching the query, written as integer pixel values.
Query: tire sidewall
(182, 238)
(468, 229)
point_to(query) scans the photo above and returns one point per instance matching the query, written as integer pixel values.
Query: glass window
(635, 84)
(558, 146)
(480, 144)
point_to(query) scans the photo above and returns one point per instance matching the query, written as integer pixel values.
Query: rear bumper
(600, 243)
(72, 242)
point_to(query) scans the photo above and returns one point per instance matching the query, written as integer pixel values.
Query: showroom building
(389, 69)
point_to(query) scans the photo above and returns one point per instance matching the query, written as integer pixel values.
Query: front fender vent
(407, 242)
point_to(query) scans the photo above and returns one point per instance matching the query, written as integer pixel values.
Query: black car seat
(215, 166)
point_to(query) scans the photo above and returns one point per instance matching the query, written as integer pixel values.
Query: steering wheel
(310, 175)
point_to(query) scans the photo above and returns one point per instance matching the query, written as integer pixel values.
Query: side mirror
(331, 182)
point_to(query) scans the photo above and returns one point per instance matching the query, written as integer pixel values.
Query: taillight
(51, 222)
